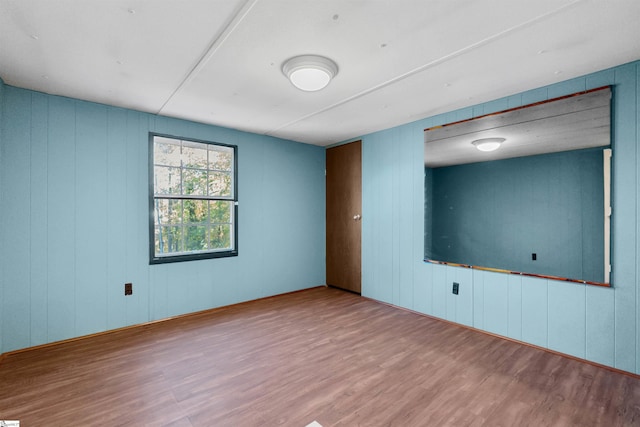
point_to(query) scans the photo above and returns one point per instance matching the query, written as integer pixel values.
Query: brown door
(344, 205)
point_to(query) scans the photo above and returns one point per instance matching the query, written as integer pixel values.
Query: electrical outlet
(128, 288)
(456, 287)
(534, 257)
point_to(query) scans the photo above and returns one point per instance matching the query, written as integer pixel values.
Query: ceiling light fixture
(310, 72)
(488, 144)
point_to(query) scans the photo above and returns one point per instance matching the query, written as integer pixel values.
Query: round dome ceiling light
(488, 144)
(310, 72)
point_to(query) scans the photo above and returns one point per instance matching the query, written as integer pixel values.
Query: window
(193, 199)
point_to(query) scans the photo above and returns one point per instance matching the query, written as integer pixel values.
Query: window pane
(195, 238)
(220, 184)
(195, 211)
(220, 211)
(168, 240)
(167, 180)
(166, 151)
(168, 212)
(194, 182)
(194, 155)
(193, 200)
(220, 236)
(220, 158)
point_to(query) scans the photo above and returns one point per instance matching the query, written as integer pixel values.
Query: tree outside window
(193, 199)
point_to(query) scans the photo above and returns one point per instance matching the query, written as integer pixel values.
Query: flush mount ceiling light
(488, 144)
(310, 72)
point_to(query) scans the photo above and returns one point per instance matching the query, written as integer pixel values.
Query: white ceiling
(219, 61)
(564, 124)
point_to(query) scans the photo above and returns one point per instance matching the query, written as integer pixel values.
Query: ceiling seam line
(428, 65)
(214, 46)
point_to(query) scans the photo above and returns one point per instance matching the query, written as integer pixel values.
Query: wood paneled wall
(74, 221)
(590, 322)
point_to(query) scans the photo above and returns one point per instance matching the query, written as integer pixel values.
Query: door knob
(357, 217)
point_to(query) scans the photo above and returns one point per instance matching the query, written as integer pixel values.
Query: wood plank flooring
(321, 354)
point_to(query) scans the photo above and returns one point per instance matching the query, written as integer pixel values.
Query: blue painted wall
(594, 323)
(496, 214)
(76, 229)
(74, 221)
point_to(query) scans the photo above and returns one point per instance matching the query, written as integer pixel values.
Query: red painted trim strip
(519, 273)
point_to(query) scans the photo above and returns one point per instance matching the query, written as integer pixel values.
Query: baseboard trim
(548, 350)
(145, 324)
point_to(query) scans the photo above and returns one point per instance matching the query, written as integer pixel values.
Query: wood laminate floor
(321, 354)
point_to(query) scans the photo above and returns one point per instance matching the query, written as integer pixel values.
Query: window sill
(498, 270)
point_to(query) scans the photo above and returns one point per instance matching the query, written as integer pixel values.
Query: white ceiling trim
(428, 65)
(214, 46)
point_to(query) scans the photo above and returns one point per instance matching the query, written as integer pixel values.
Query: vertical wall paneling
(496, 299)
(459, 308)
(600, 324)
(464, 300)
(478, 298)
(75, 212)
(136, 207)
(567, 315)
(423, 288)
(422, 273)
(625, 216)
(289, 208)
(158, 299)
(382, 217)
(38, 217)
(385, 202)
(395, 224)
(368, 210)
(137, 305)
(251, 154)
(451, 299)
(514, 101)
(381, 246)
(462, 114)
(61, 219)
(370, 213)
(495, 106)
(566, 87)
(276, 210)
(534, 311)
(478, 110)
(535, 95)
(91, 218)
(600, 78)
(180, 287)
(440, 288)
(514, 322)
(405, 212)
(116, 217)
(15, 248)
(367, 229)
(371, 222)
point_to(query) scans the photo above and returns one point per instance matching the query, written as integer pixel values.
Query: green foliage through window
(194, 200)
